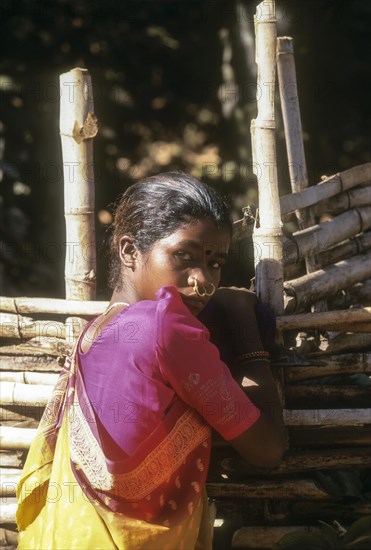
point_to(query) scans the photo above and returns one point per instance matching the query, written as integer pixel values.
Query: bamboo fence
(328, 423)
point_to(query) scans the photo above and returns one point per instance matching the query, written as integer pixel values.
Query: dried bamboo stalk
(329, 510)
(354, 198)
(43, 378)
(268, 236)
(17, 439)
(13, 393)
(322, 320)
(52, 305)
(23, 328)
(35, 363)
(329, 187)
(327, 417)
(326, 235)
(17, 415)
(307, 437)
(275, 490)
(326, 282)
(266, 536)
(299, 462)
(78, 126)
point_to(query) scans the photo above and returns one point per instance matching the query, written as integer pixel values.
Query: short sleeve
(191, 364)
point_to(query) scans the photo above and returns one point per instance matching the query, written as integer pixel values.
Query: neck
(126, 294)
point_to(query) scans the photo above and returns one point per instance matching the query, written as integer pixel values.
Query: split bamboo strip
(52, 305)
(322, 320)
(346, 363)
(299, 462)
(8, 510)
(310, 288)
(323, 418)
(24, 328)
(48, 379)
(268, 235)
(326, 235)
(13, 393)
(266, 536)
(78, 126)
(353, 198)
(326, 189)
(17, 439)
(275, 490)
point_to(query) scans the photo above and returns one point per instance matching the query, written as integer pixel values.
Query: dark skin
(199, 250)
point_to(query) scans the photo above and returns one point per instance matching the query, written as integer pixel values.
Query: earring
(203, 292)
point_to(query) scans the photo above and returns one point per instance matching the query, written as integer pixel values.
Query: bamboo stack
(328, 424)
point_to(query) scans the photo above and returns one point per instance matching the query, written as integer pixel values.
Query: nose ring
(203, 292)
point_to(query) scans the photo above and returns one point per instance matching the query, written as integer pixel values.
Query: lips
(194, 303)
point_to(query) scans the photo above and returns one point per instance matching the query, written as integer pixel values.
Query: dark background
(174, 88)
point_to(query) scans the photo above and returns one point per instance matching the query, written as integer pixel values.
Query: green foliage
(335, 537)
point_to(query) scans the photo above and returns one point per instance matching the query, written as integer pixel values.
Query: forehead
(203, 234)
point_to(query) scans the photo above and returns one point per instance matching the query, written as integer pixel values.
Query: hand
(231, 319)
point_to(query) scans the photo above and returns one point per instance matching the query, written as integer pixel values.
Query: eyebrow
(198, 246)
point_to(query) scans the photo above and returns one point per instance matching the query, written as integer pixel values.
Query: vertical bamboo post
(294, 139)
(268, 232)
(78, 126)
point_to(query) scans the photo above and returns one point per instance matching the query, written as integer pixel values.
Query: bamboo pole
(266, 536)
(78, 126)
(9, 481)
(322, 320)
(17, 439)
(294, 142)
(275, 490)
(306, 437)
(52, 305)
(326, 189)
(268, 234)
(326, 235)
(357, 294)
(8, 510)
(326, 418)
(8, 539)
(344, 342)
(353, 246)
(300, 462)
(353, 198)
(31, 378)
(344, 363)
(333, 185)
(11, 459)
(313, 396)
(326, 282)
(23, 361)
(13, 393)
(23, 328)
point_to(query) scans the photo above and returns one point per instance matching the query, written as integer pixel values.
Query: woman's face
(196, 250)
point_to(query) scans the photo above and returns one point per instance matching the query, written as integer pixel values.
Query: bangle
(252, 355)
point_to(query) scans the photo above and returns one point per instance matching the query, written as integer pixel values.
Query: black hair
(155, 207)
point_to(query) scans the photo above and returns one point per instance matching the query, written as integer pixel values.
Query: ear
(128, 252)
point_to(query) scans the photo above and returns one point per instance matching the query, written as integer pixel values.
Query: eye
(183, 256)
(216, 265)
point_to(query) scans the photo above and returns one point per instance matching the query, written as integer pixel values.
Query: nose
(199, 275)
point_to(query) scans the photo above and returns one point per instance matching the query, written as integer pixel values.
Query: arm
(234, 328)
